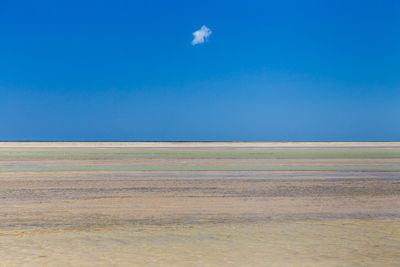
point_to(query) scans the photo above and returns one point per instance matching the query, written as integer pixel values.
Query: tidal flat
(199, 204)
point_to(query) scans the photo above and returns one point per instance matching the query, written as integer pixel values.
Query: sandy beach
(199, 204)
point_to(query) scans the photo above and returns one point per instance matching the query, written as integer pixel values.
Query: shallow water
(218, 206)
(283, 243)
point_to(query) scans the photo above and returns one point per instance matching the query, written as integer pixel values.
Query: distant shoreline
(189, 144)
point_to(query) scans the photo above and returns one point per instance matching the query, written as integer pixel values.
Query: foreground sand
(199, 204)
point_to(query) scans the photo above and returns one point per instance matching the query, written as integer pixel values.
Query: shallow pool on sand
(199, 204)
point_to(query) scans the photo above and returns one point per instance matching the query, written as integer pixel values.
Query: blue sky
(270, 70)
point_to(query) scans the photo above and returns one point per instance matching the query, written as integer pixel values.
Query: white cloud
(201, 35)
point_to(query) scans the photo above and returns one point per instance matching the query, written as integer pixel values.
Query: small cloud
(201, 35)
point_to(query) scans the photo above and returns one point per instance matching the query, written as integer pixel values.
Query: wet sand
(199, 204)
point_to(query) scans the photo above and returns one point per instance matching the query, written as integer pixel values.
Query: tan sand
(70, 205)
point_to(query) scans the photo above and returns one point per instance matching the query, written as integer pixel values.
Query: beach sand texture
(199, 204)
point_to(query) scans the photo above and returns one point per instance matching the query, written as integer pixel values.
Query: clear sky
(270, 70)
